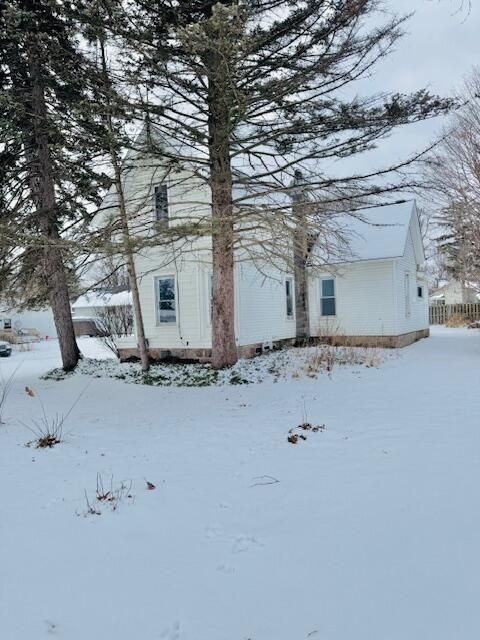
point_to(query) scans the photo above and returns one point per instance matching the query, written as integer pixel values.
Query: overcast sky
(438, 52)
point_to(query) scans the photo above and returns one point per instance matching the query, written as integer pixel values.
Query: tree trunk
(301, 292)
(300, 257)
(224, 348)
(132, 275)
(43, 195)
(127, 249)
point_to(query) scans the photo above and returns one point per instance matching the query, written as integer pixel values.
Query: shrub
(112, 496)
(48, 430)
(457, 320)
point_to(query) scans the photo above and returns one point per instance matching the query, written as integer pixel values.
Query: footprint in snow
(51, 626)
(172, 633)
(225, 568)
(240, 543)
(245, 543)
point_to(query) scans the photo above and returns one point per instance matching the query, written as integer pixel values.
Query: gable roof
(376, 233)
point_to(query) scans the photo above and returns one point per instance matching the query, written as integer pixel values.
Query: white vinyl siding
(406, 295)
(260, 305)
(364, 301)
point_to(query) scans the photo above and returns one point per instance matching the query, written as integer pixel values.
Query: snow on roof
(97, 299)
(371, 234)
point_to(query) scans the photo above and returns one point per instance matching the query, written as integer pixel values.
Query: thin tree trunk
(132, 273)
(224, 349)
(126, 239)
(43, 195)
(300, 257)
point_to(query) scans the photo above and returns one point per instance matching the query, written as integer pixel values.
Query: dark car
(5, 349)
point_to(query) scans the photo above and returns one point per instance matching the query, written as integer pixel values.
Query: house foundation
(190, 355)
(384, 342)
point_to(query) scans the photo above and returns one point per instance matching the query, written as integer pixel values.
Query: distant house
(455, 292)
(91, 305)
(103, 312)
(38, 322)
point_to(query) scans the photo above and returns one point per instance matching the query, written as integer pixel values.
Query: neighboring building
(455, 292)
(375, 292)
(103, 312)
(91, 305)
(39, 323)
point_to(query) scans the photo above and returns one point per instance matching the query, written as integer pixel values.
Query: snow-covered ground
(367, 530)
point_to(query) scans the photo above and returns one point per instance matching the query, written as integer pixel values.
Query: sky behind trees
(438, 51)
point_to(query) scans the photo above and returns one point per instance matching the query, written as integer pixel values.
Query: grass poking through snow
(274, 366)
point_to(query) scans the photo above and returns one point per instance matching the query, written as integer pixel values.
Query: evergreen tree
(250, 92)
(114, 111)
(46, 180)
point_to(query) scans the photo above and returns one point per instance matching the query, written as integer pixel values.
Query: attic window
(161, 203)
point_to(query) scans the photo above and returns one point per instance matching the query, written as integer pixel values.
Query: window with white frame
(166, 299)
(289, 297)
(160, 201)
(328, 304)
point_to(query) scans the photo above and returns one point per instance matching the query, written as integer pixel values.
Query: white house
(373, 290)
(456, 292)
(375, 294)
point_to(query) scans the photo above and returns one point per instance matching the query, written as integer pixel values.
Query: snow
(98, 300)
(371, 531)
(372, 234)
(289, 363)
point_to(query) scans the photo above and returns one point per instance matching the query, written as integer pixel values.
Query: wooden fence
(440, 313)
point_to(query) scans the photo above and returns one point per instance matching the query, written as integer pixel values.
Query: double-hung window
(289, 297)
(327, 297)
(166, 299)
(160, 201)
